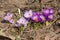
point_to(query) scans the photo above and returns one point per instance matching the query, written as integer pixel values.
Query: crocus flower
(42, 18)
(48, 11)
(50, 17)
(28, 14)
(35, 16)
(22, 21)
(8, 17)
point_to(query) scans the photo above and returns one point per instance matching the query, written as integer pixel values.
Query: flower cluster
(9, 17)
(47, 14)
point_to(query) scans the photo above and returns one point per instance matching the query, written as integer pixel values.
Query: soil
(50, 31)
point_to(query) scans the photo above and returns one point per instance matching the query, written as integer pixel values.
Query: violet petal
(22, 21)
(35, 16)
(28, 14)
(48, 11)
(11, 21)
(42, 18)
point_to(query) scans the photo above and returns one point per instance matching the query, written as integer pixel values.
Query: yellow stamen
(43, 18)
(36, 19)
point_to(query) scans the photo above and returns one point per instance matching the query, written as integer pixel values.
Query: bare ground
(50, 31)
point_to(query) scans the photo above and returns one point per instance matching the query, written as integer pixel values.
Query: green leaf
(22, 28)
(36, 26)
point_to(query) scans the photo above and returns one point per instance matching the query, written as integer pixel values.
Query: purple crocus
(42, 18)
(48, 11)
(50, 17)
(28, 13)
(22, 21)
(35, 16)
(9, 17)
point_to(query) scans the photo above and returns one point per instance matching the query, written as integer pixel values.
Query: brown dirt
(51, 32)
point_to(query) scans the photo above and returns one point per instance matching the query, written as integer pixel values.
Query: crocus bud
(22, 21)
(28, 14)
(35, 17)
